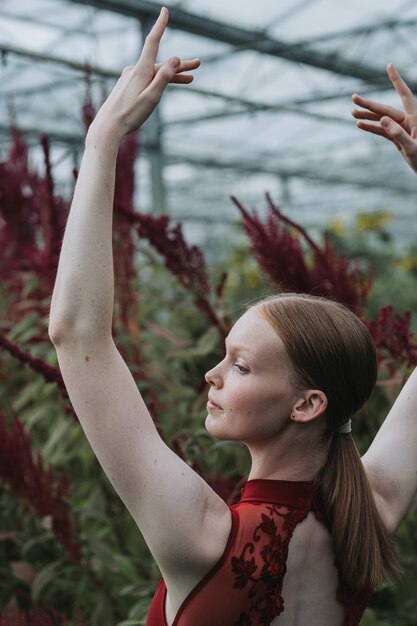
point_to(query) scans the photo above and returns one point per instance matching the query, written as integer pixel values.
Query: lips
(213, 404)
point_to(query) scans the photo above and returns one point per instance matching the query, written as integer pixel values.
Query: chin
(215, 428)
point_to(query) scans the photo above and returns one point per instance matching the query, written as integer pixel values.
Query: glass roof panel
(251, 122)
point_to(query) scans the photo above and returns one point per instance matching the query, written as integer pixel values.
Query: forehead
(254, 332)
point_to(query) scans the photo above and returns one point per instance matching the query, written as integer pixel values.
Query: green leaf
(130, 590)
(24, 330)
(57, 440)
(43, 578)
(125, 565)
(103, 614)
(27, 396)
(204, 346)
(102, 551)
(36, 415)
(140, 609)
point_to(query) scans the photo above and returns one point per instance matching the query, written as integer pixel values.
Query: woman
(313, 524)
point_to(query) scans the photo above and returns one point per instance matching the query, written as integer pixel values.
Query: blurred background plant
(69, 551)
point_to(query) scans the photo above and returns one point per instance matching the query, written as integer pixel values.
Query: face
(251, 394)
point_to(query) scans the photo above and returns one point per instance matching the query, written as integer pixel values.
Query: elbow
(62, 335)
(58, 328)
(55, 333)
(59, 332)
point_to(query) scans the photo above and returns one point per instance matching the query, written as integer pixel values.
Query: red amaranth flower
(124, 248)
(36, 487)
(294, 262)
(32, 221)
(186, 262)
(393, 338)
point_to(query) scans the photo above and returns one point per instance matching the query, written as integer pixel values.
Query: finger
(366, 115)
(151, 46)
(186, 65)
(182, 79)
(374, 129)
(402, 89)
(377, 107)
(399, 135)
(377, 130)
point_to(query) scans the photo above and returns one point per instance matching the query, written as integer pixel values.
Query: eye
(241, 368)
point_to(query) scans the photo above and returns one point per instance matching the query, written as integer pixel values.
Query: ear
(310, 406)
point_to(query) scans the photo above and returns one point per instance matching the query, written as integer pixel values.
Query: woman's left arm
(391, 461)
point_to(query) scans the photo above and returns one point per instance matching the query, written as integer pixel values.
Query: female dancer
(309, 539)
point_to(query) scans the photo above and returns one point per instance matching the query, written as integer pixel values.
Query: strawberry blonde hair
(332, 350)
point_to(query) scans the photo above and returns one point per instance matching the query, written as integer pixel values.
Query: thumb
(164, 75)
(399, 135)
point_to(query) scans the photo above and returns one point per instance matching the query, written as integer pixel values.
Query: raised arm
(391, 461)
(171, 504)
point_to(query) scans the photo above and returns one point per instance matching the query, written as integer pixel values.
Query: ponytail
(365, 553)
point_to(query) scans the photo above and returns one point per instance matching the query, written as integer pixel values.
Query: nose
(213, 377)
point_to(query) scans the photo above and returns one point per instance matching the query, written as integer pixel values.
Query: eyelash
(240, 368)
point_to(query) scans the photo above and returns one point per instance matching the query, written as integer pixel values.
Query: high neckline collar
(296, 493)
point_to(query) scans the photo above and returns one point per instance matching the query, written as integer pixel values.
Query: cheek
(253, 401)
(271, 403)
(250, 414)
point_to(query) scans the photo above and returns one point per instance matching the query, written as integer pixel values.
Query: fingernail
(174, 62)
(385, 122)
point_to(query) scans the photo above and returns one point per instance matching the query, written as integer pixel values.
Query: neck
(294, 454)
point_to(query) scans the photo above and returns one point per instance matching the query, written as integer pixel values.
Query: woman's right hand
(140, 87)
(397, 126)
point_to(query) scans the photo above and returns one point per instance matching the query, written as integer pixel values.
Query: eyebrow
(241, 349)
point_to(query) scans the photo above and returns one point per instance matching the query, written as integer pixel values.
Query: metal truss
(307, 52)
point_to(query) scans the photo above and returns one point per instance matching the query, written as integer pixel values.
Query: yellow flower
(337, 227)
(408, 263)
(373, 221)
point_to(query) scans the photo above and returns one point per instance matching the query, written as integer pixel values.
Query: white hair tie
(344, 428)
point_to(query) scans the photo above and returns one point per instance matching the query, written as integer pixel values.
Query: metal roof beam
(33, 19)
(250, 167)
(251, 105)
(257, 167)
(359, 30)
(204, 26)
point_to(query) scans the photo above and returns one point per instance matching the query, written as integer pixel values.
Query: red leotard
(249, 576)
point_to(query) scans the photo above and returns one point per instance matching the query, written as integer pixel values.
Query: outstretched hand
(140, 87)
(397, 126)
